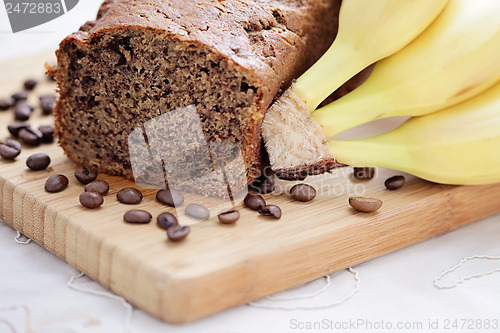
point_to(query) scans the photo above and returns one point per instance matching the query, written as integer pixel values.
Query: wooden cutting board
(219, 266)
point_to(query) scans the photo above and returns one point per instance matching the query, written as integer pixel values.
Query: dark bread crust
(259, 45)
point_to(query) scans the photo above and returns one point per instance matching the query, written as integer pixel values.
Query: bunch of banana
(454, 59)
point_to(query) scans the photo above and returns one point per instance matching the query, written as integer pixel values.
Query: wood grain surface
(218, 266)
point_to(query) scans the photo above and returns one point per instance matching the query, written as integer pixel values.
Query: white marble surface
(395, 289)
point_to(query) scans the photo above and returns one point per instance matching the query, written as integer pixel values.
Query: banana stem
(349, 111)
(332, 70)
(370, 152)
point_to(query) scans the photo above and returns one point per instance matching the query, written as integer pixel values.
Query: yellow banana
(368, 31)
(456, 58)
(458, 145)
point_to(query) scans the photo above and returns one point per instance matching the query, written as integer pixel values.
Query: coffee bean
(177, 232)
(7, 103)
(129, 196)
(16, 127)
(30, 84)
(99, 186)
(47, 133)
(254, 201)
(364, 173)
(47, 103)
(85, 175)
(197, 211)
(56, 183)
(20, 96)
(170, 197)
(166, 220)
(366, 205)
(303, 192)
(38, 162)
(229, 216)
(395, 183)
(23, 110)
(267, 185)
(91, 200)
(30, 136)
(10, 149)
(137, 216)
(270, 210)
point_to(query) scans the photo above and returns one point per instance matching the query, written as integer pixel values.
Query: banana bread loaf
(142, 58)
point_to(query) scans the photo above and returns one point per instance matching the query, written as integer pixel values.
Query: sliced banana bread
(143, 58)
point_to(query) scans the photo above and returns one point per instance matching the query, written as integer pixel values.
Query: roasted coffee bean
(138, 216)
(91, 200)
(20, 96)
(99, 186)
(254, 201)
(47, 133)
(364, 173)
(38, 162)
(30, 84)
(177, 232)
(170, 197)
(303, 192)
(366, 205)
(166, 220)
(16, 127)
(197, 211)
(7, 103)
(85, 175)
(47, 103)
(267, 185)
(395, 183)
(129, 196)
(270, 210)
(30, 136)
(10, 149)
(229, 216)
(23, 110)
(56, 183)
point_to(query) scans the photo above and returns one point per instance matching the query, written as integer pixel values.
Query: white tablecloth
(396, 292)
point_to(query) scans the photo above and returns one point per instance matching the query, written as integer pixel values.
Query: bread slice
(141, 59)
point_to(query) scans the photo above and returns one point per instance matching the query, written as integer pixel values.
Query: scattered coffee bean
(85, 175)
(30, 84)
(254, 201)
(56, 183)
(91, 200)
(38, 162)
(170, 197)
(10, 149)
(16, 127)
(267, 184)
(229, 216)
(137, 216)
(99, 186)
(366, 205)
(23, 110)
(47, 133)
(166, 220)
(177, 232)
(197, 211)
(303, 192)
(7, 103)
(395, 183)
(20, 96)
(47, 103)
(30, 136)
(364, 173)
(129, 196)
(270, 210)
